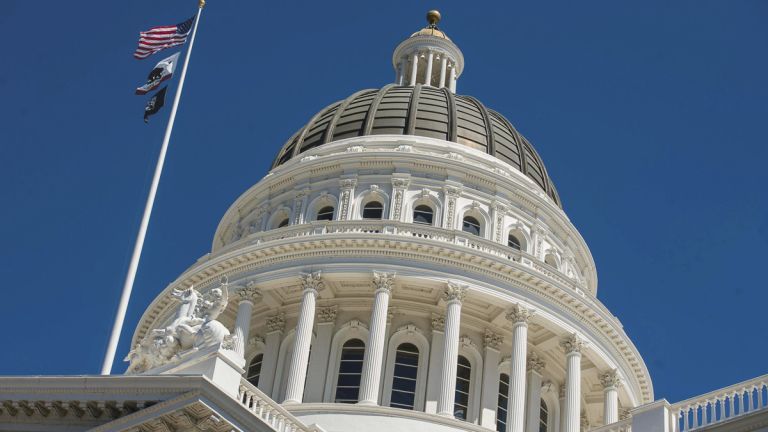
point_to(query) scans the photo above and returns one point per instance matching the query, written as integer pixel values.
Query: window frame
(408, 333)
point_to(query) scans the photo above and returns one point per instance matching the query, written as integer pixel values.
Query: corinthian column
(535, 368)
(374, 353)
(572, 415)
(454, 295)
(611, 382)
(519, 316)
(297, 373)
(247, 297)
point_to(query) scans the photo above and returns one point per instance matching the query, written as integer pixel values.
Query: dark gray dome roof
(422, 111)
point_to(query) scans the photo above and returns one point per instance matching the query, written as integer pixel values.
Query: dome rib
(368, 126)
(413, 107)
(449, 99)
(422, 111)
(339, 111)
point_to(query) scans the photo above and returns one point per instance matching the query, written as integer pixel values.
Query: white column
(318, 362)
(400, 72)
(435, 362)
(535, 369)
(443, 70)
(453, 79)
(297, 373)
(374, 352)
(399, 186)
(489, 399)
(414, 69)
(247, 296)
(454, 295)
(572, 345)
(428, 75)
(275, 328)
(519, 316)
(611, 382)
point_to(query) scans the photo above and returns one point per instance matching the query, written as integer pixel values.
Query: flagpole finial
(201, 4)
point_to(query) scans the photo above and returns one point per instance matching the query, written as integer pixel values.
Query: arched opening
(350, 371)
(283, 223)
(325, 213)
(513, 242)
(470, 225)
(423, 214)
(373, 210)
(503, 402)
(543, 417)
(404, 376)
(463, 378)
(254, 370)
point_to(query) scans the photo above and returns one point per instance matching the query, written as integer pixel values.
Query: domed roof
(421, 111)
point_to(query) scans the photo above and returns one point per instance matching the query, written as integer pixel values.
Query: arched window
(503, 402)
(471, 225)
(350, 371)
(423, 214)
(513, 242)
(254, 370)
(463, 376)
(373, 210)
(404, 376)
(550, 260)
(325, 213)
(543, 417)
(283, 223)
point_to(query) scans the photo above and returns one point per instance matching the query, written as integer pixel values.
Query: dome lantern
(428, 57)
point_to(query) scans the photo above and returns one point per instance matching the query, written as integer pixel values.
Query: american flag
(160, 38)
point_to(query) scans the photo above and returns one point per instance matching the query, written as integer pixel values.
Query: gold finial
(433, 17)
(201, 4)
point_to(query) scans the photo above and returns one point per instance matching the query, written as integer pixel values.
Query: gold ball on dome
(433, 16)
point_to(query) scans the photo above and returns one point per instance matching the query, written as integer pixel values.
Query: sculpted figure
(194, 327)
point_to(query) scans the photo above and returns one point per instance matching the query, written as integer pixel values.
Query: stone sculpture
(194, 327)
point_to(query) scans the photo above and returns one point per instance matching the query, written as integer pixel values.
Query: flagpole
(109, 357)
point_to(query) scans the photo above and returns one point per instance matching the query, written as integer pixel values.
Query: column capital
(401, 182)
(383, 281)
(249, 293)
(492, 340)
(276, 323)
(572, 344)
(347, 183)
(312, 282)
(438, 322)
(454, 292)
(327, 314)
(610, 379)
(452, 191)
(535, 363)
(518, 314)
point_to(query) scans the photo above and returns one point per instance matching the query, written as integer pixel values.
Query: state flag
(162, 71)
(154, 104)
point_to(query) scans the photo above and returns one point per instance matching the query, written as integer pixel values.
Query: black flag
(154, 104)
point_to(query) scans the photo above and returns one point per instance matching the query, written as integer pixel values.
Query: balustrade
(411, 230)
(721, 405)
(269, 411)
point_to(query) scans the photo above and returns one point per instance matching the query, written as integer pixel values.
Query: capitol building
(406, 265)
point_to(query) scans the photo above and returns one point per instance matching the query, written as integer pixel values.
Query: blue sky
(650, 117)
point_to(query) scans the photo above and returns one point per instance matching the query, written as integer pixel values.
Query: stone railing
(268, 410)
(721, 405)
(620, 426)
(425, 232)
